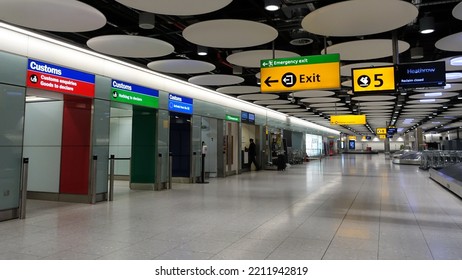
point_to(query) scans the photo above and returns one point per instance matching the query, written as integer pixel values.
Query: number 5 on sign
(374, 79)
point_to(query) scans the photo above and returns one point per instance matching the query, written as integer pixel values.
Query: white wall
(42, 144)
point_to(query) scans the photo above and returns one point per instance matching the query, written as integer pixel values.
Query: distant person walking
(253, 155)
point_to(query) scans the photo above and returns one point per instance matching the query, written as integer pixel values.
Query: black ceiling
(287, 20)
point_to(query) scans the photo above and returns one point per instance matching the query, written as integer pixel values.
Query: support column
(419, 139)
(143, 162)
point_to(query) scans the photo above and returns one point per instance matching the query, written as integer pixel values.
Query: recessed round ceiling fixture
(428, 100)
(283, 106)
(437, 94)
(366, 49)
(320, 105)
(130, 46)
(52, 15)
(216, 80)
(320, 100)
(262, 96)
(311, 93)
(358, 18)
(271, 102)
(332, 109)
(176, 7)
(292, 110)
(376, 103)
(452, 43)
(374, 98)
(424, 106)
(251, 59)
(238, 89)
(229, 33)
(301, 41)
(181, 66)
(447, 87)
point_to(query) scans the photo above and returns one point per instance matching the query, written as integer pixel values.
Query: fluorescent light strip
(181, 87)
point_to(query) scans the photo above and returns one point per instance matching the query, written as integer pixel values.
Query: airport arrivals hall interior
(230, 130)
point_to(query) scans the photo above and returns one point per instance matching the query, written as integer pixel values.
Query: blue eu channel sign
(180, 104)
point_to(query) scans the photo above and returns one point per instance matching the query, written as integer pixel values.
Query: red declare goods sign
(47, 76)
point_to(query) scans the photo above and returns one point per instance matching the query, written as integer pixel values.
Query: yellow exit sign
(347, 119)
(300, 73)
(373, 79)
(381, 131)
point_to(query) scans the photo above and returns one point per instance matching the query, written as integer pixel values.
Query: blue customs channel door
(181, 109)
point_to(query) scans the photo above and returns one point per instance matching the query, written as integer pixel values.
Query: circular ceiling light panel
(311, 93)
(229, 33)
(320, 100)
(284, 106)
(332, 109)
(366, 49)
(292, 110)
(345, 70)
(377, 108)
(457, 11)
(181, 66)
(52, 15)
(453, 63)
(357, 18)
(176, 7)
(452, 43)
(378, 103)
(321, 105)
(374, 98)
(130, 46)
(428, 101)
(447, 87)
(216, 80)
(437, 94)
(251, 59)
(272, 102)
(238, 89)
(260, 96)
(424, 106)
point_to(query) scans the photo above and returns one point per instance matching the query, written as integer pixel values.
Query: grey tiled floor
(351, 207)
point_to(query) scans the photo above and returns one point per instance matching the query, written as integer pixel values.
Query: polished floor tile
(343, 207)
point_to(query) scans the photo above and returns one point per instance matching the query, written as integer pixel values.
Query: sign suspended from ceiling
(300, 73)
(347, 119)
(373, 79)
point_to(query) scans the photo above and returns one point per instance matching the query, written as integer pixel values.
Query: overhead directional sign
(381, 131)
(373, 79)
(347, 119)
(300, 73)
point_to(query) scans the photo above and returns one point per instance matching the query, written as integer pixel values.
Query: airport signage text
(51, 77)
(374, 79)
(300, 73)
(180, 104)
(133, 94)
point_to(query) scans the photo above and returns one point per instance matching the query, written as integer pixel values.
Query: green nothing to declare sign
(133, 94)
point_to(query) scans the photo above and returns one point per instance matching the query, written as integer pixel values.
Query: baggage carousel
(449, 177)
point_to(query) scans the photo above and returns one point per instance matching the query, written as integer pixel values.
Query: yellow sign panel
(347, 119)
(351, 137)
(381, 131)
(382, 136)
(300, 73)
(374, 79)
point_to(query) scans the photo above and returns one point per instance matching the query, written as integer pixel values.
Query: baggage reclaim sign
(300, 73)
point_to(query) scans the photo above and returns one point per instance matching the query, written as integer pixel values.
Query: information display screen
(421, 75)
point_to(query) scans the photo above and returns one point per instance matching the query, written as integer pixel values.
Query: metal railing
(439, 159)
